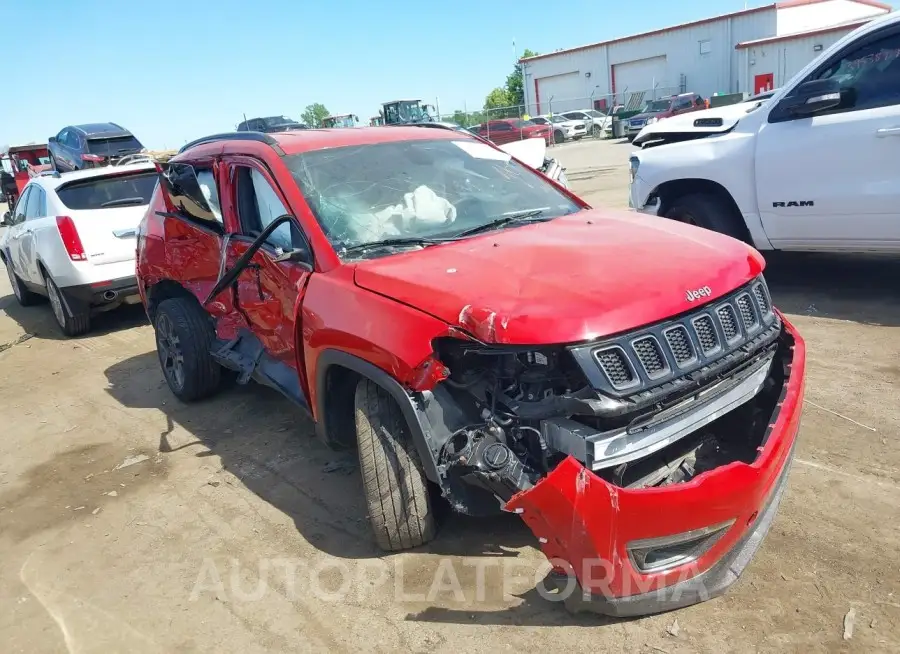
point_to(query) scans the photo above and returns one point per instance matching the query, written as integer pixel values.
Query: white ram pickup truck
(814, 166)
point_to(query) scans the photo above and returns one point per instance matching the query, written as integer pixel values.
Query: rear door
(35, 211)
(14, 237)
(268, 290)
(107, 209)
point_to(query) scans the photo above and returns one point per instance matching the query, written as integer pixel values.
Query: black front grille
(706, 334)
(635, 363)
(615, 365)
(729, 322)
(650, 356)
(748, 315)
(762, 299)
(680, 344)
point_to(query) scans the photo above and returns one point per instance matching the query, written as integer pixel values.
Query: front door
(763, 82)
(832, 180)
(268, 291)
(14, 237)
(34, 211)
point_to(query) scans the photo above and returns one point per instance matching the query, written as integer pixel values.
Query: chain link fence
(594, 111)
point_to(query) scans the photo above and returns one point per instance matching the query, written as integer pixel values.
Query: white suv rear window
(126, 190)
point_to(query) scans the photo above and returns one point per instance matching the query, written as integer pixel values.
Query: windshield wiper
(394, 242)
(518, 216)
(122, 201)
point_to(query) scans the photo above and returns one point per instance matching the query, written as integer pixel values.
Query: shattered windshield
(431, 189)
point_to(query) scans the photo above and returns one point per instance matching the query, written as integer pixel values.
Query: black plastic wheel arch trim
(418, 425)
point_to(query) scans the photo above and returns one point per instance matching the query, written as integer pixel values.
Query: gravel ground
(132, 523)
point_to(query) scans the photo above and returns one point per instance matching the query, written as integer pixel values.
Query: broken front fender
(640, 551)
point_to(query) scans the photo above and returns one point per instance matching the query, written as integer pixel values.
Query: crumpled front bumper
(585, 524)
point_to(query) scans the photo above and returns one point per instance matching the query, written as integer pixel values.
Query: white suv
(71, 238)
(814, 167)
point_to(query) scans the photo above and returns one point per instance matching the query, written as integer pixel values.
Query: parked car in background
(78, 147)
(656, 110)
(506, 130)
(564, 129)
(71, 238)
(642, 412)
(270, 124)
(813, 166)
(594, 120)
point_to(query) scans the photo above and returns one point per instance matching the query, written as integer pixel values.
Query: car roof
(52, 182)
(101, 129)
(295, 142)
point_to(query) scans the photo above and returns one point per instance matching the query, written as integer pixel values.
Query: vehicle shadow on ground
(38, 321)
(859, 288)
(270, 447)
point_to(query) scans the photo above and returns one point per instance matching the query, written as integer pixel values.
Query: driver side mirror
(813, 97)
(5, 221)
(52, 139)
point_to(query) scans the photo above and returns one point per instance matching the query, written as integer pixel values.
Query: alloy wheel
(170, 355)
(56, 303)
(13, 281)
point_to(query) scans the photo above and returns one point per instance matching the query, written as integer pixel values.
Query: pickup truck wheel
(184, 338)
(396, 489)
(708, 211)
(558, 137)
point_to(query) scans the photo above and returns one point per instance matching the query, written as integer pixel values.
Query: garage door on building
(640, 75)
(559, 93)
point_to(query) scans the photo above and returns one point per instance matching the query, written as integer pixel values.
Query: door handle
(887, 131)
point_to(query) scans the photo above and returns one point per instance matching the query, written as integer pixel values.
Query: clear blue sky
(174, 70)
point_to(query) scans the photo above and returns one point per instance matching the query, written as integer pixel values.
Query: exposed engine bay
(519, 412)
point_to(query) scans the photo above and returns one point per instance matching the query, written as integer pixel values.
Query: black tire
(396, 488)
(596, 131)
(558, 137)
(71, 323)
(53, 165)
(23, 296)
(184, 338)
(709, 211)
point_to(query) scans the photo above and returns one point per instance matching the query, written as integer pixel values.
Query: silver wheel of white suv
(72, 325)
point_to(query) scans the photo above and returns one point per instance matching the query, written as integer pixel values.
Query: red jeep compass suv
(621, 382)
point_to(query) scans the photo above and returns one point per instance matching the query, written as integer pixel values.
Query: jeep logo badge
(697, 293)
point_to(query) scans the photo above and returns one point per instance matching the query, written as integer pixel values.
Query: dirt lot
(132, 523)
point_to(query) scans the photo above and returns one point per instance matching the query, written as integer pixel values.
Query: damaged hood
(530, 152)
(575, 278)
(699, 123)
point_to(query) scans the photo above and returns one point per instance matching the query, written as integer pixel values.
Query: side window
(500, 127)
(682, 103)
(19, 211)
(258, 205)
(869, 76)
(35, 207)
(181, 183)
(210, 191)
(62, 136)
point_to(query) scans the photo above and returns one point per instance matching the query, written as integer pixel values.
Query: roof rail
(259, 137)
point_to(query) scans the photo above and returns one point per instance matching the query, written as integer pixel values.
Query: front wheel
(596, 131)
(709, 211)
(558, 137)
(396, 488)
(184, 338)
(23, 295)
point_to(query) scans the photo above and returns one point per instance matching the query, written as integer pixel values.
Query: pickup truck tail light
(70, 238)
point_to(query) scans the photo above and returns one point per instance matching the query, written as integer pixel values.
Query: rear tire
(184, 338)
(72, 324)
(709, 211)
(23, 296)
(396, 488)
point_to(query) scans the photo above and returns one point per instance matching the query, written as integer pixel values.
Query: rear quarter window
(109, 192)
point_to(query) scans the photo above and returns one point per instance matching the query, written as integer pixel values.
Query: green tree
(314, 114)
(497, 99)
(514, 84)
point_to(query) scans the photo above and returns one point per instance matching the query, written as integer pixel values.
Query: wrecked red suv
(621, 382)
